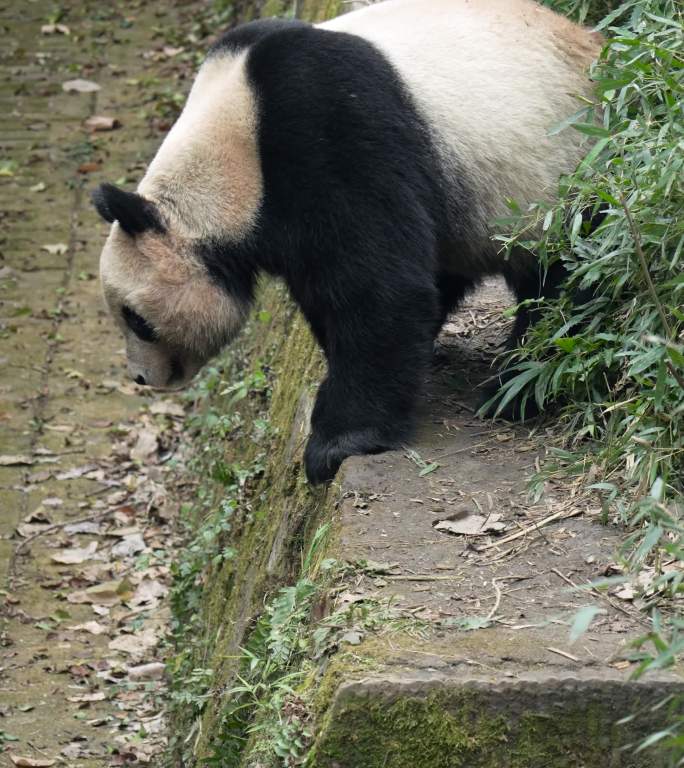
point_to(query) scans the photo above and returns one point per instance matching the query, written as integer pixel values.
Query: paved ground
(74, 440)
(454, 519)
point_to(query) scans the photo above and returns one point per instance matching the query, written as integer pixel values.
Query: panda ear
(134, 213)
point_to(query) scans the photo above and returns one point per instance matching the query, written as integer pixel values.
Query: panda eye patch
(140, 327)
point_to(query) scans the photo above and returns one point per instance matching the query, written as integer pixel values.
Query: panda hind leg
(452, 290)
(526, 285)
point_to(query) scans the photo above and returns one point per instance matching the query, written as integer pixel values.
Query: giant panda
(363, 161)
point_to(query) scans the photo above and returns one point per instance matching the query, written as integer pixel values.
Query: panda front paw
(324, 456)
(322, 459)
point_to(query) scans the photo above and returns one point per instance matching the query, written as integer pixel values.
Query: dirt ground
(453, 537)
(86, 523)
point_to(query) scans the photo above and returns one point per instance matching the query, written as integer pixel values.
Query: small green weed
(264, 710)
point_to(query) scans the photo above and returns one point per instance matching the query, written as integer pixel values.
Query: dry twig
(562, 515)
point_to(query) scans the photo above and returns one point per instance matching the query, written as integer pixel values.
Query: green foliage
(209, 547)
(583, 11)
(611, 350)
(265, 705)
(617, 358)
(222, 505)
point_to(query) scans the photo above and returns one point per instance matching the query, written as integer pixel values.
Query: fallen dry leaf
(74, 750)
(14, 461)
(31, 762)
(90, 626)
(122, 533)
(79, 670)
(76, 472)
(155, 723)
(147, 591)
(80, 86)
(146, 444)
(470, 524)
(76, 555)
(107, 593)
(87, 697)
(101, 123)
(55, 249)
(128, 546)
(504, 437)
(135, 645)
(620, 665)
(39, 515)
(170, 51)
(51, 29)
(30, 529)
(349, 598)
(352, 637)
(89, 526)
(89, 167)
(626, 593)
(152, 671)
(167, 408)
(373, 566)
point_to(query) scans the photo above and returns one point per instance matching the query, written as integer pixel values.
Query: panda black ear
(134, 213)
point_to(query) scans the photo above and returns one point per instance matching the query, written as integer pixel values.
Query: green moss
(460, 728)
(410, 732)
(320, 10)
(274, 8)
(276, 512)
(341, 668)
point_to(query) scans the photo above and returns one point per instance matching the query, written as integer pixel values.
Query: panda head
(174, 316)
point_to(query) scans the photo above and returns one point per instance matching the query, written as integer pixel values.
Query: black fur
(352, 218)
(140, 327)
(134, 213)
(362, 218)
(235, 268)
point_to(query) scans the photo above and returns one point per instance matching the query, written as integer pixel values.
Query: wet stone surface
(80, 606)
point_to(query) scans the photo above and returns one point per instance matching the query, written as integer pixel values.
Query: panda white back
(491, 77)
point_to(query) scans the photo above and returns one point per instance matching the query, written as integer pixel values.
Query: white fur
(491, 77)
(206, 175)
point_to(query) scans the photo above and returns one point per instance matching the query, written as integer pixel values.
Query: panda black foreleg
(377, 360)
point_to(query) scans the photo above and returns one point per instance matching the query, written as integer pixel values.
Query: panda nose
(140, 379)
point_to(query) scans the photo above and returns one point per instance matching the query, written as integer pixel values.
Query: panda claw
(323, 457)
(321, 460)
